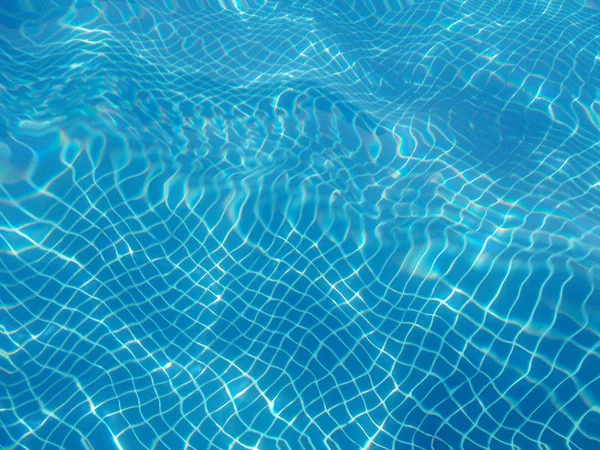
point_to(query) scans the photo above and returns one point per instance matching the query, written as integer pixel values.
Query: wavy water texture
(322, 224)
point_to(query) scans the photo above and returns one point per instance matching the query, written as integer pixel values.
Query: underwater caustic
(327, 224)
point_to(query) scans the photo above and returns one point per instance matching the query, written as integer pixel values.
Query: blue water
(335, 224)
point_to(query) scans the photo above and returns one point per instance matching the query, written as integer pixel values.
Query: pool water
(334, 224)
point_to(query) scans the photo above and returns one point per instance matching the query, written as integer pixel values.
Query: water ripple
(340, 224)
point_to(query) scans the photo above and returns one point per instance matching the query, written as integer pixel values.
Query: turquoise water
(325, 224)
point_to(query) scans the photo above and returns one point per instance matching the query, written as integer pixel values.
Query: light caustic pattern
(328, 224)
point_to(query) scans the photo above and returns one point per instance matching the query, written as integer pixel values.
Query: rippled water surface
(334, 224)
